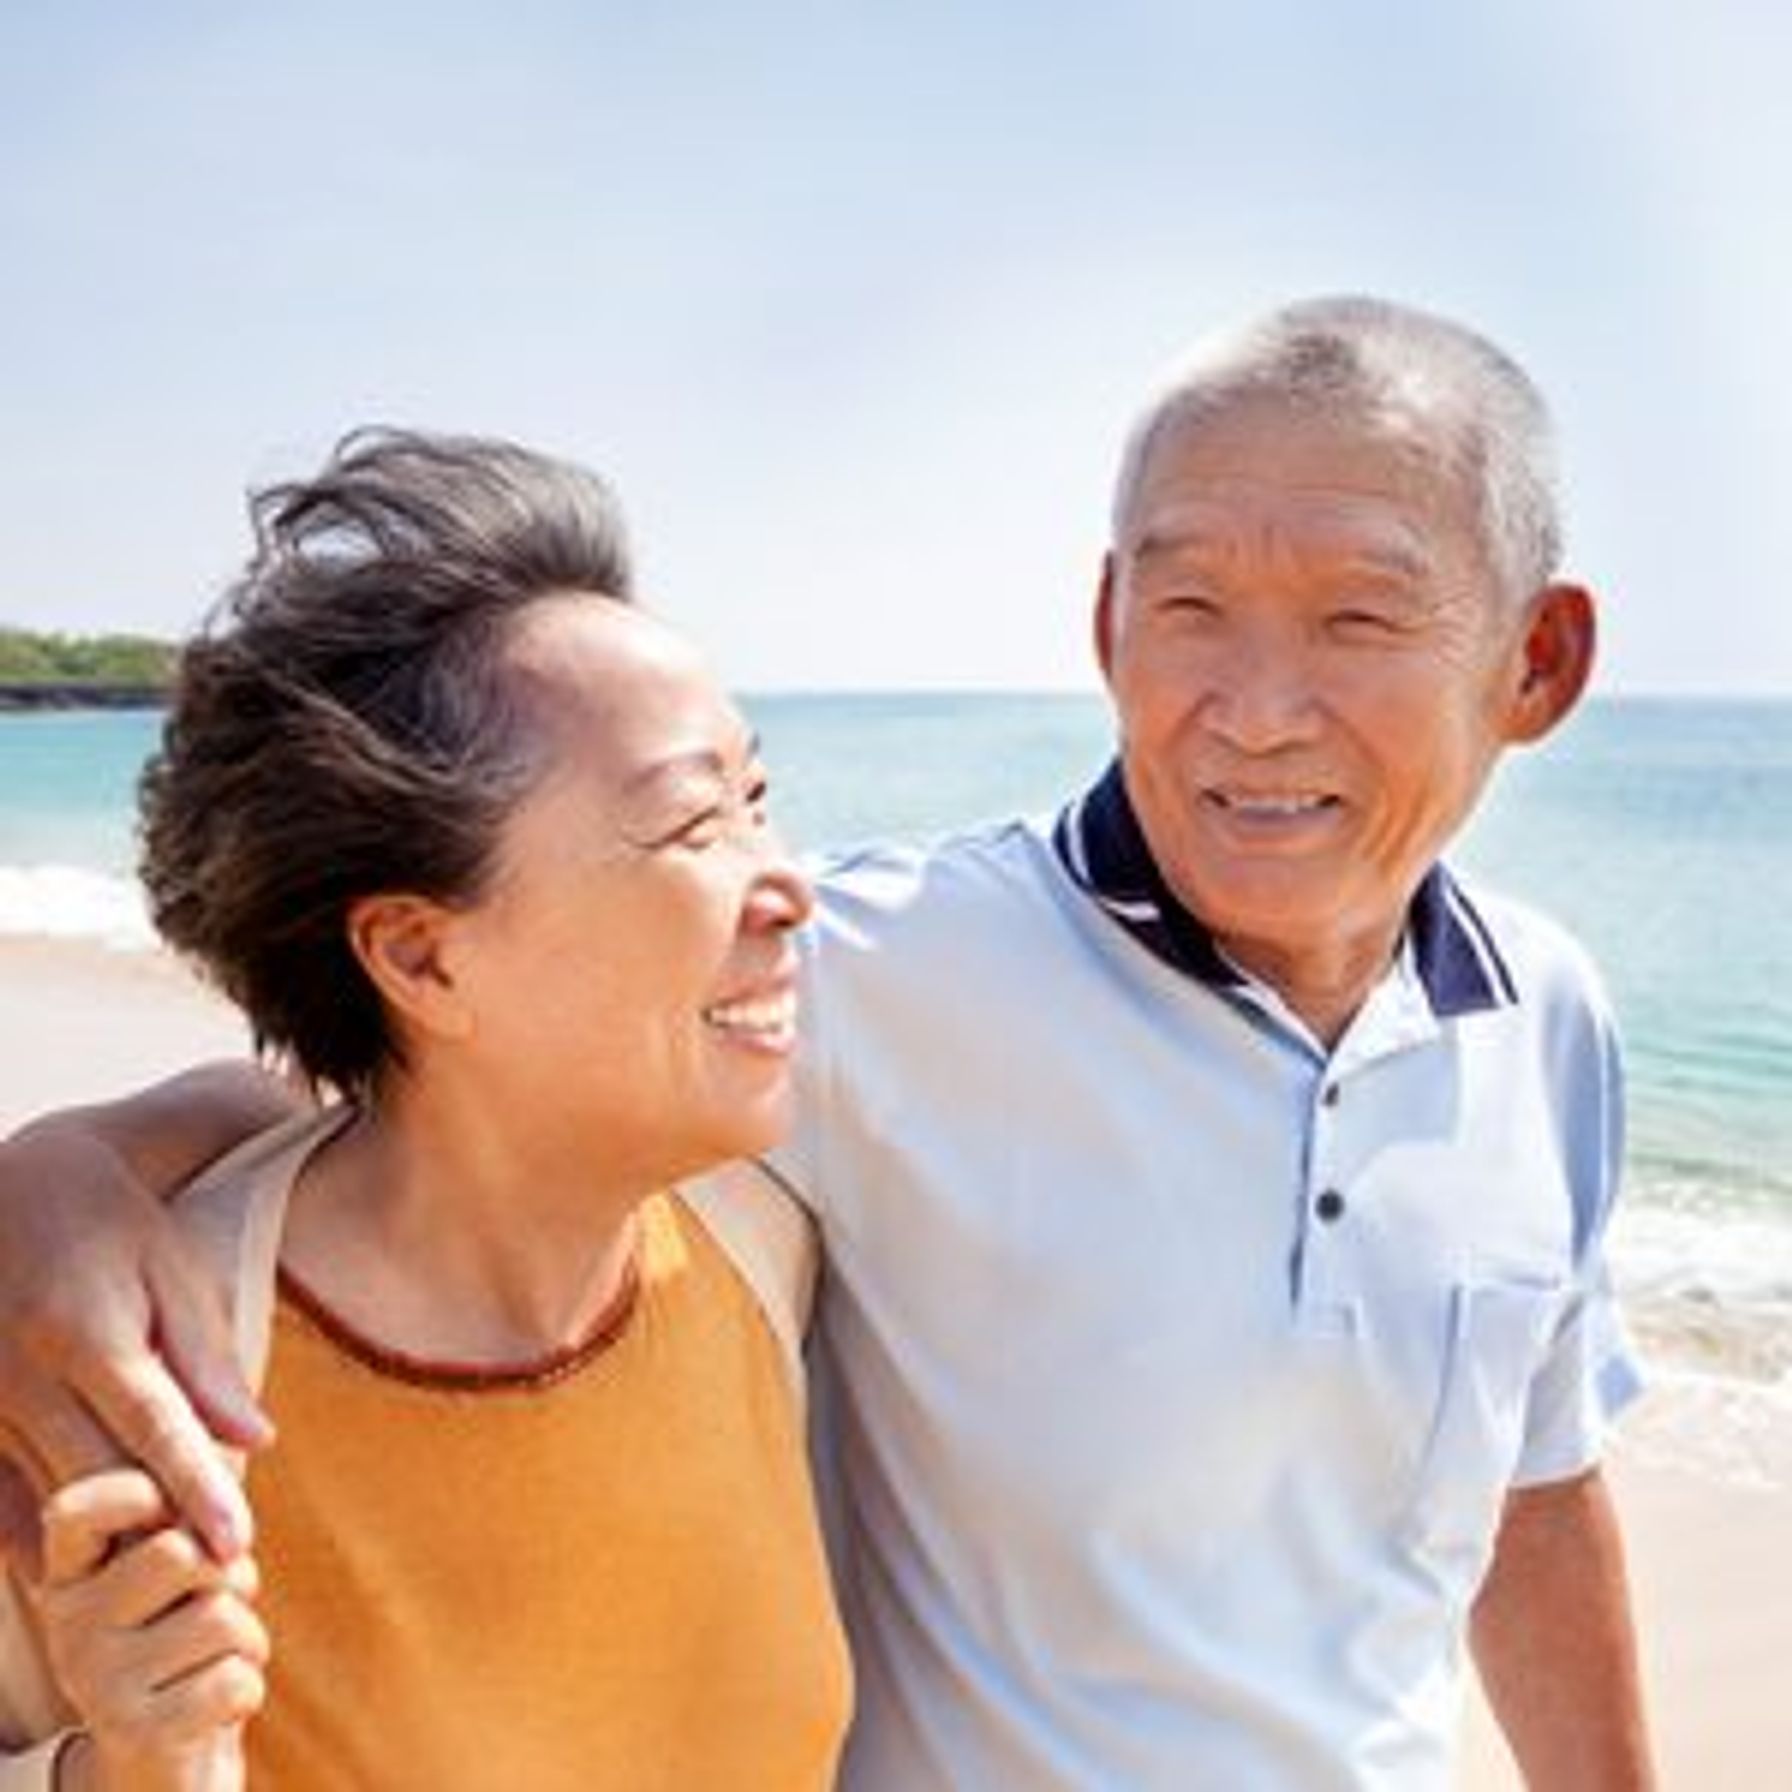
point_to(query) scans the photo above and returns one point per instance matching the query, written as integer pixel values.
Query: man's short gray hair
(1362, 357)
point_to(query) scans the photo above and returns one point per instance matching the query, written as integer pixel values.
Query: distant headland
(55, 671)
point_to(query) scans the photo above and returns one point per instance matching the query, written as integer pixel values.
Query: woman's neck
(431, 1230)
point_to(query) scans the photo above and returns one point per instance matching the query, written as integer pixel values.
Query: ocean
(1660, 831)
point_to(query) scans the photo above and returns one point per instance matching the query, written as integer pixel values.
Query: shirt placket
(1324, 1288)
(1329, 1280)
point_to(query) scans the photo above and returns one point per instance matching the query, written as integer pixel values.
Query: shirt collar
(1102, 846)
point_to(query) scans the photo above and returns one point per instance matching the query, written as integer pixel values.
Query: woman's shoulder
(233, 1214)
(767, 1238)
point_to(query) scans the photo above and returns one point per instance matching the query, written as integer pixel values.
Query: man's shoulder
(986, 866)
(1548, 965)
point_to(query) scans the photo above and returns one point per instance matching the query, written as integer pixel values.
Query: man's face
(1314, 670)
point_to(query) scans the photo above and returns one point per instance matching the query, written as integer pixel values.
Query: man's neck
(1324, 986)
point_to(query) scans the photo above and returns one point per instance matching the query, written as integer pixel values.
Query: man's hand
(156, 1645)
(113, 1347)
(1554, 1642)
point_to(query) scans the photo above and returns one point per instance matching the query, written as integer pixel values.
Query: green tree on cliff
(29, 658)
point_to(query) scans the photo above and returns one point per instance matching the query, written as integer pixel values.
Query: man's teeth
(767, 1014)
(1273, 805)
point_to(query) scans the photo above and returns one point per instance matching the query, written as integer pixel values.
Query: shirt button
(1330, 1095)
(1329, 1206)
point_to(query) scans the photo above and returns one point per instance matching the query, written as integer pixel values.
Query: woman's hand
(154, 1641)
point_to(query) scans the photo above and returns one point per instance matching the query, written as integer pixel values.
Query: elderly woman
(482, 850)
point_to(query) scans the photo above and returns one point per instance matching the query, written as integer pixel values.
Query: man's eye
(1361, 621)
(1196, 604)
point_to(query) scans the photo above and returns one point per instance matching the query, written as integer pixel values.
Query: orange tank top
(600, 1572)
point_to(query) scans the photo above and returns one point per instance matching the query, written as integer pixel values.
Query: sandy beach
(1711, 1568)
(78, 1020)
(1703, 1468)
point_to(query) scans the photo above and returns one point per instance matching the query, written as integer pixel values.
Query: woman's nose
(783, 894)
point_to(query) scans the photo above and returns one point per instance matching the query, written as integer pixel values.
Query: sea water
(1659, 831)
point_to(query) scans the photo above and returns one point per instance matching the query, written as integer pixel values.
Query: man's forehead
(1388, 482)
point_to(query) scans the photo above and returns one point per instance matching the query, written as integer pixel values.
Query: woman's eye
(702, 829)
(713, 818)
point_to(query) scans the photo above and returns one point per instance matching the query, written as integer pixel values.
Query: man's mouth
(1286, 805)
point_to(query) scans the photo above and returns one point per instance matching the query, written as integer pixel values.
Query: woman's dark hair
(346, 722)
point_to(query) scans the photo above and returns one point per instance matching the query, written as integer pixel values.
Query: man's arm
(1554, 1642)
(112, 1346)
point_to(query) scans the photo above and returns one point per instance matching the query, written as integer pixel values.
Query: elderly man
(1216, 1334)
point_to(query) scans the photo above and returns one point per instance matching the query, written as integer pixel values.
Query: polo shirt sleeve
(1589, 1372)
(1588, 1377)
(794, 1159)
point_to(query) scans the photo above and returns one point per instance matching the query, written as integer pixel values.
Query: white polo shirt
(1177, 1371)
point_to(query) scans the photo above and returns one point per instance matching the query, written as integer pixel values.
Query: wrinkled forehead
(1329, 460)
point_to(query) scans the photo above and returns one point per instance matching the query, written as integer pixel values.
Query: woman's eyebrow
(710, 761)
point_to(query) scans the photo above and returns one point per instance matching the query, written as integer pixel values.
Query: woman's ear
(403, 943)
(1556, 660)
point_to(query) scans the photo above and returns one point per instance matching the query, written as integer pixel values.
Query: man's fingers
(127, 1407)
(80, 1381)
(143, 1406)
(21, 1537)
(84, 1520)
(58, 1435)
(25, 1482)
(192, 1331)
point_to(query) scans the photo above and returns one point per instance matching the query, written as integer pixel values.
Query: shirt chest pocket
(1498, 1335)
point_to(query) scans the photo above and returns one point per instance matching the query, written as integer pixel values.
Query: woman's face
(630, 974)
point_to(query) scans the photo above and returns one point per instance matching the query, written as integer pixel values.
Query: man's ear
(1106, 597)
(1556, 660)
(403, 944)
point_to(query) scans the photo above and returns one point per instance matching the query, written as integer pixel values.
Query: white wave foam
(1709, 1288)
(67, 902)
(1705, 1254)
(1716, 1426)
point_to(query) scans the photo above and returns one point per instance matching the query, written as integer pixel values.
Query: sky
(853, 301)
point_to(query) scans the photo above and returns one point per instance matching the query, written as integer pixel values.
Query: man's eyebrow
(1391, 558)
(1156, 543)
(1396, 557)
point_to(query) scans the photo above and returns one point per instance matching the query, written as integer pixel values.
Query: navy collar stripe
(1103, 848)
(1492, 965)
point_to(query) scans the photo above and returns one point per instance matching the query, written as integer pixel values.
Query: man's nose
(1263, 696)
